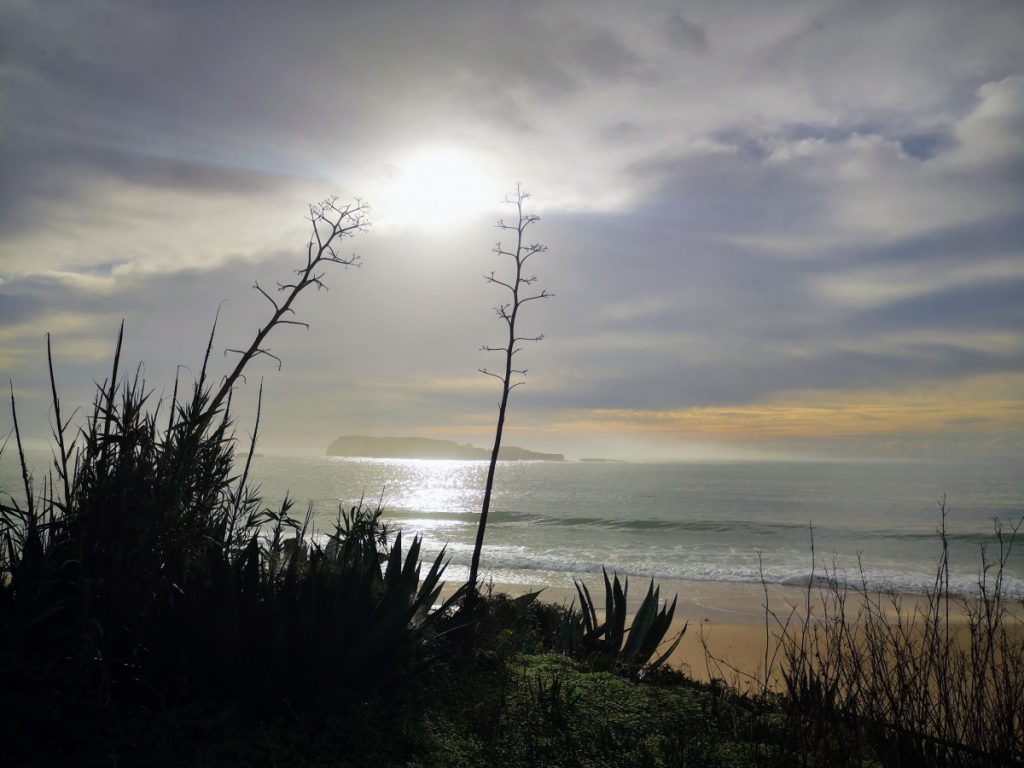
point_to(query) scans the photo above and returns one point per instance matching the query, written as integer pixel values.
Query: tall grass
(935, 681)
(144, 567)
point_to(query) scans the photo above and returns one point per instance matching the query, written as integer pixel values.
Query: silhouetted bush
(610, 644)
(936, 682)
(159, 578)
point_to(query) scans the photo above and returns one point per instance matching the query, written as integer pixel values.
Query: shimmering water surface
(706, 521)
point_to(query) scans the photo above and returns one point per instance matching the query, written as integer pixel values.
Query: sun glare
(435, 189)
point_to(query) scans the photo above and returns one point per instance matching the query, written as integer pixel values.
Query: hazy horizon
(785, 231)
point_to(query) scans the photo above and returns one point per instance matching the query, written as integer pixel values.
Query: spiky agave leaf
(615, 613)
(610, 643)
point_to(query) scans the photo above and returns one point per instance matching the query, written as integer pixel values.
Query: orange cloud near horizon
(988, 404)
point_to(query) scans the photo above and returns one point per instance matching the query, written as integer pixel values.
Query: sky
(774, 229)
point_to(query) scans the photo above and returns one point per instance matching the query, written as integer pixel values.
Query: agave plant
(610, 643)
(316, 622)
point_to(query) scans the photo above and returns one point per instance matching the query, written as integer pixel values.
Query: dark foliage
(940, 682)
(159, 578)
(610, 644)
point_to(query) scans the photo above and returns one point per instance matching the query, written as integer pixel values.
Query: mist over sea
(705, 521)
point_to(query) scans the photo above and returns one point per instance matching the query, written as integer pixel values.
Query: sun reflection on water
(437, 487)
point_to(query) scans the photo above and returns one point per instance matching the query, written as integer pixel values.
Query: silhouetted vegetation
(154, 612)
(519, 293)
(609, 644)
(933, 682)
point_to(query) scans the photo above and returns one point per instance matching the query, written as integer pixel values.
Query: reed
(145, 568)
(937, 682)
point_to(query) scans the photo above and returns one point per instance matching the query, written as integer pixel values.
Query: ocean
(721, 521)
(712, 522)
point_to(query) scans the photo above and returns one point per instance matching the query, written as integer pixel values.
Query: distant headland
(427, 448)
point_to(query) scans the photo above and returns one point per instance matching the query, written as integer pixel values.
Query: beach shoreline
(726, 617)
(730, 636)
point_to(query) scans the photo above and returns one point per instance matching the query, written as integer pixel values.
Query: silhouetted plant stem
(244, 479)
(508, 313)
(331, 223)
(58, 432)
(25, 479)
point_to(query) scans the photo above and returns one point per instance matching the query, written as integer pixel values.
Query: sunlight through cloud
(435, 188)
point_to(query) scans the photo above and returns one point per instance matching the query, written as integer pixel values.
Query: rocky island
(427, 448)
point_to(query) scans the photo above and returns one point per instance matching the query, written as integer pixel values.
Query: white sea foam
(705, 522)
(870, 523)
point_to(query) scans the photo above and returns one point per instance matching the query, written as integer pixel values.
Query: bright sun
(435, 189)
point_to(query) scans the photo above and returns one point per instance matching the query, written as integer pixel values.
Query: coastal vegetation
(520, 291)
(935, 681)
(153, 611)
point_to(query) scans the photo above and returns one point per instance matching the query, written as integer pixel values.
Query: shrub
(146, 570)
(937, 683)
(609, 643)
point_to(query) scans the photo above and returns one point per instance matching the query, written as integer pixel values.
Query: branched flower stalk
(521, 291)
(331, 223)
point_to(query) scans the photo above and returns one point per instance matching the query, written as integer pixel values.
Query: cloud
(807, 191)
(969, 406)
(878, 285)
(742, 203)
(686, 34)
(991, 134)
(602, 54)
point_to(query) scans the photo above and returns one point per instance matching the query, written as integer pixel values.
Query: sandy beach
(725, 619)
(729, 636)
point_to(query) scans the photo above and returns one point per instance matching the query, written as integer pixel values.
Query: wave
(648, 523)
(549, 567)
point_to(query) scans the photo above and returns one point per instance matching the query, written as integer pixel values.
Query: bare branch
(541, 295)
(267, 296)
(509, 313)
(492, 279)
(337, 222)
(256, 353)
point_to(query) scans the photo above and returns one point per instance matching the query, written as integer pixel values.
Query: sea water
(720, 521)
(786, 522)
